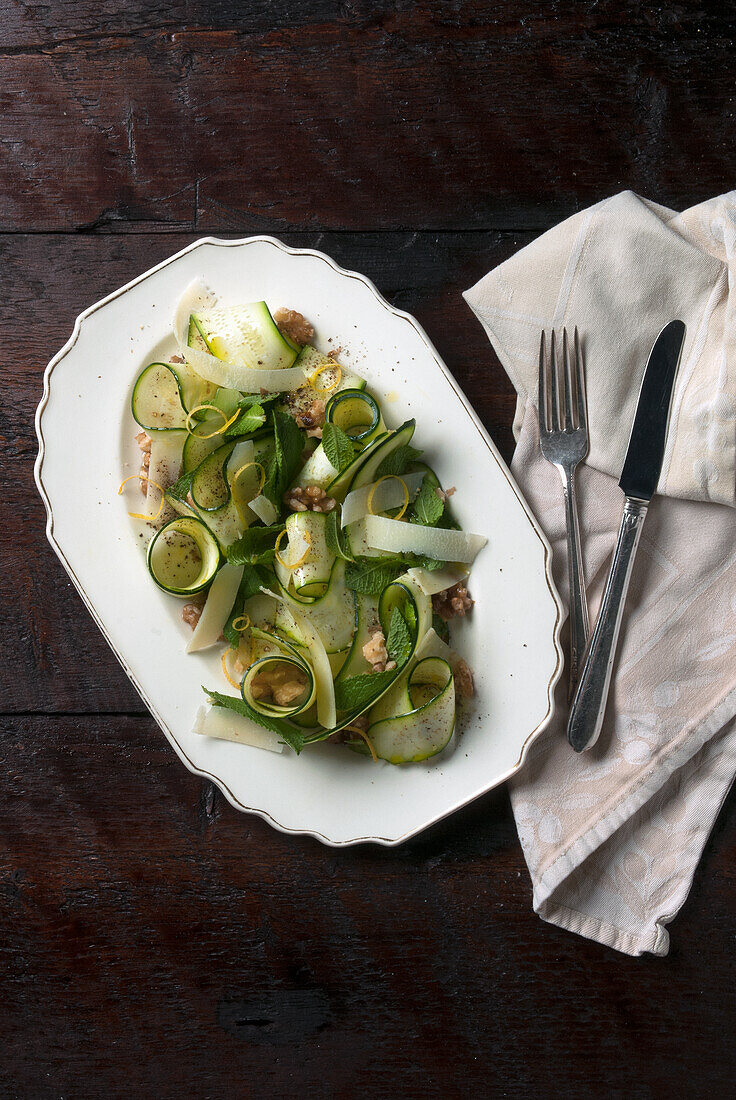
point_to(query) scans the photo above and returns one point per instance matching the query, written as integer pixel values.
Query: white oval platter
(511, 640)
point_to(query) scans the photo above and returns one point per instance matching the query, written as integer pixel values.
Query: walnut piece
(294, 325)
(191, 614)
(309, 498)
(283, 684)
(453, 601)
(445, 494)
(376, 654)
(313, 417)
(464, 685)
(144, 442)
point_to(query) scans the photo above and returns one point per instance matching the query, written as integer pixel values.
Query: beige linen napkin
(612, 837)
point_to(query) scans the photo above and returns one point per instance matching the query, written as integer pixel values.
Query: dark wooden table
(154, 942)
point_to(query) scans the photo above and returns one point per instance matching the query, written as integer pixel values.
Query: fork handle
(579, 625)
(589, 705)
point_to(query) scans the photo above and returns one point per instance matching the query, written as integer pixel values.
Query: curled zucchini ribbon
(166, 397)
(416, 717)
(282, 671)
(183, 556)
(356, 412)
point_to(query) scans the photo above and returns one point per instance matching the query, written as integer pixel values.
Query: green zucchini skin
(164, 561)
(414, 733)
(363, 470)
(285, 654)
(210, 489)
(347, 408)
(197, 449)
(245, 334)
(157, 401)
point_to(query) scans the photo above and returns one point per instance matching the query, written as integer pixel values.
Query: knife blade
(639, 477)
(643, 462)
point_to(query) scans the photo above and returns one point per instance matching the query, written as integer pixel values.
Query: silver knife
(639, 478)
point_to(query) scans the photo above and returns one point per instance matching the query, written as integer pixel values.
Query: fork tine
(567, 384)
(542, 385)
(582, 399)
(554, 386)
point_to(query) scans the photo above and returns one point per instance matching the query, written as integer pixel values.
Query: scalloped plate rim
(171, 737)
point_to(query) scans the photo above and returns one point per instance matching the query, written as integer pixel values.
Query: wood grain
(154, 942)
(149, 928)
(396, 115)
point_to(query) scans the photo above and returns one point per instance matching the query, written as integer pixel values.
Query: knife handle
(589, 705)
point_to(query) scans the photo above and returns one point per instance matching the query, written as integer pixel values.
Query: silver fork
(563, 436)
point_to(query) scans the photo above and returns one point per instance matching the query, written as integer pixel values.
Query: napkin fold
(612, 837)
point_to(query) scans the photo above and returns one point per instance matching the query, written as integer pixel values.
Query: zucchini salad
(309, 541)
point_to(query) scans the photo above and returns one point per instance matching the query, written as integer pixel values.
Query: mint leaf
(441, 628)
(398, 461)
(355, 693)
(289, 446)
(293, 738)
(249, 399)
(371, 575)
(180, 489)
(254, 577)
(337, 446)
(334, 537)
(398, 643)
(421, 561)
(428, 507)
(254, 547)
(282, 462)
(250, 420)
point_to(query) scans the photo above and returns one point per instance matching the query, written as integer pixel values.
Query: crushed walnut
(464, 685)
(191, 613)
(177, 359)
(294, 325)
(144, 442)
(334, 353)
(445, 494)
(309, 498)
(312, 418)
(453, 601)
(279, 682)
(376, 654)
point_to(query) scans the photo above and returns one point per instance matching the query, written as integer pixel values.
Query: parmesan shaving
(433, 581)
(388, 492)
(231, 376)
(397, 537)
(226, 725)
(220, 599)
(264, 509)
